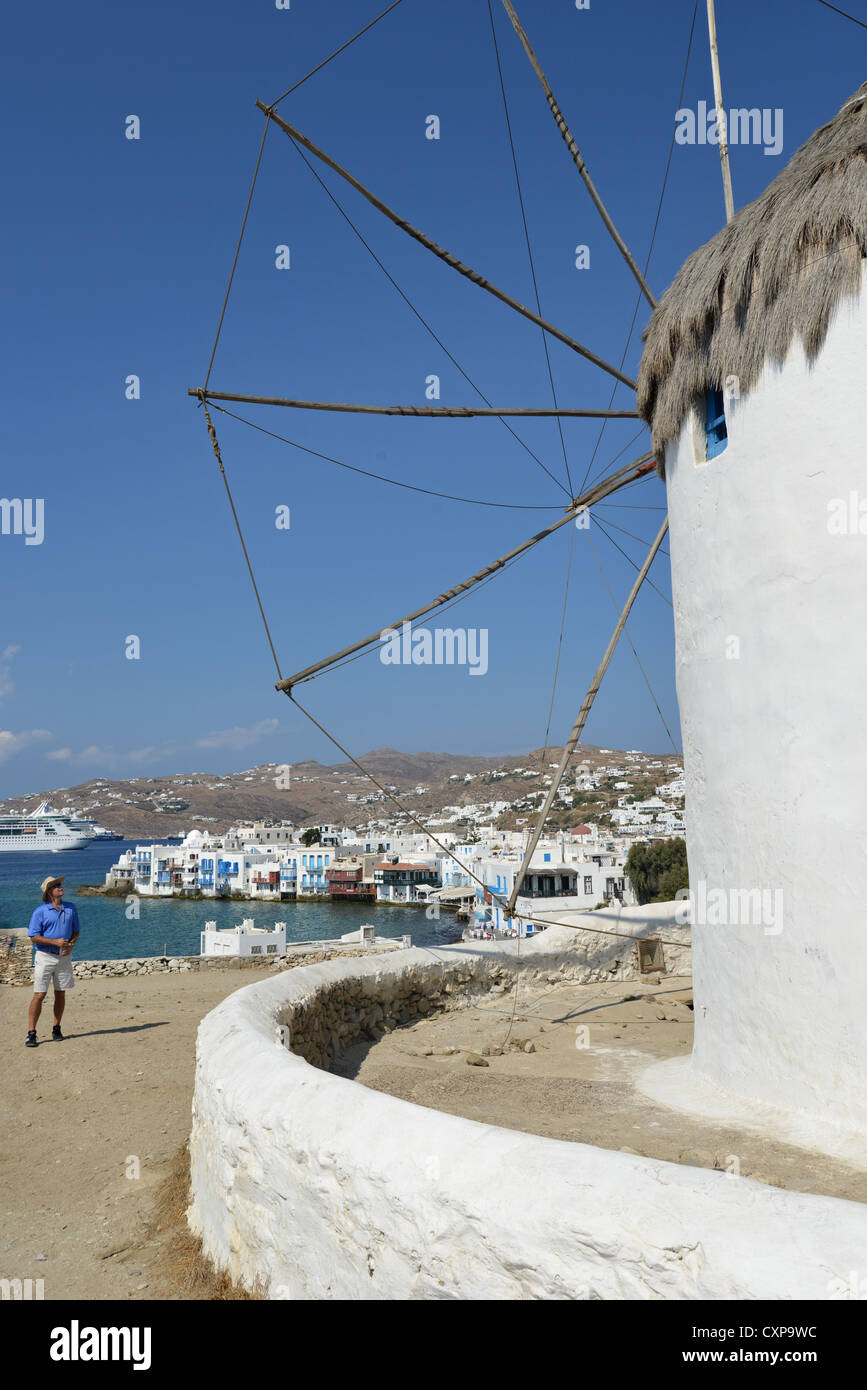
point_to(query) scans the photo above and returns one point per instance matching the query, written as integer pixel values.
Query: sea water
(172, 926)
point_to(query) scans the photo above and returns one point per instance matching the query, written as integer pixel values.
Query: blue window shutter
(716, 431)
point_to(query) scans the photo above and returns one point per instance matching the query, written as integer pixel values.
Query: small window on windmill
(650, 956)
(716, 431)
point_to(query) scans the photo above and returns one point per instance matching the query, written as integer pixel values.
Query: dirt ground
(113, 1099)
(98, 1121)
(590, 1043)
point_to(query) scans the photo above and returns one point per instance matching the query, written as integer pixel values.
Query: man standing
(54, 930)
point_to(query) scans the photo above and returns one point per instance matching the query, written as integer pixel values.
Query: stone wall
(315, 1187)
(338, 1013)
(16, 964)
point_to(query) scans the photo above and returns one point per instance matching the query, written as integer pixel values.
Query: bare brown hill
(313, 793)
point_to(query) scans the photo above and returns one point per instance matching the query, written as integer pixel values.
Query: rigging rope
(576, 155)
(559, 643)
(603, 524)
(216, 447)
(602, 489)
(573, 926)
(380, 477)
(609, 485)
(655, 228)
(439, 251)
(843, 13)
(237, 253)
(326, 61)
(447, 609)
(286, 687)
(630, 641)
(566, 591)
(422, 320)
(581, 720)
(527, 238)
(631, 534)
(626, 446)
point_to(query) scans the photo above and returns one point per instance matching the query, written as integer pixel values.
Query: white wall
(776, 781)
(324, 1189)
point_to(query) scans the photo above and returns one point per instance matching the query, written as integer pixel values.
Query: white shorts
(47, 967)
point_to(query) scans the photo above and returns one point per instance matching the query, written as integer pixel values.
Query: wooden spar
(629, 473)
(444, 255)
(722, 125)
(461, 412)
(584, 711)
(576, 155)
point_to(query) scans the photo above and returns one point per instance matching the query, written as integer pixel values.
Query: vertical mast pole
(720, 114)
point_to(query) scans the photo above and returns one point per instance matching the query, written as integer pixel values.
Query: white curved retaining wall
(600, 945)
(770, 616)
(320, 1188)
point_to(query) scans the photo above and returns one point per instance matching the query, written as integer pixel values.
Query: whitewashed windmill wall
(771, 631)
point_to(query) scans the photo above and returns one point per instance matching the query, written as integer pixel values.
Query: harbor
(173, 927)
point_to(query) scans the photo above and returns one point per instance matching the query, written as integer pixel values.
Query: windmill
(639, 468)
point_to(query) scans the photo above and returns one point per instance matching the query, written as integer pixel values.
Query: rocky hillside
(310, 793)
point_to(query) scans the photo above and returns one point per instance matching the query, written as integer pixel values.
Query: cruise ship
(39, 831)
(85, 825)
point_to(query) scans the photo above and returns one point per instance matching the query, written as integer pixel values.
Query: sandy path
(119, 1088)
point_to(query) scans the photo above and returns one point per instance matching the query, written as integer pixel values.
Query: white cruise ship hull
(40, 843)
(41, 831)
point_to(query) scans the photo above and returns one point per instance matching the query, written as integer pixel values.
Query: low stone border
(17, 968)
(596, 945)
(319, 1188)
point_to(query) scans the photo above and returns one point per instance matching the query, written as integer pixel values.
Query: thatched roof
(778, 269)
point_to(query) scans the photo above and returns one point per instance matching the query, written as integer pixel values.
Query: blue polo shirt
(59, 922)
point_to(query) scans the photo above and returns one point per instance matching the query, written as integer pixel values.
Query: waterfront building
(351, 877)
(399, 881)
(262, 832)
(245, 940)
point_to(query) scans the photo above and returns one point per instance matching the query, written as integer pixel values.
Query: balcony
(551, 892)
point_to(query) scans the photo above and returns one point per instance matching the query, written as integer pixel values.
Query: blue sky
(116, 258)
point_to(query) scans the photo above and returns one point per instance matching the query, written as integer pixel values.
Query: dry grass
(776, 272)
(186, 1270)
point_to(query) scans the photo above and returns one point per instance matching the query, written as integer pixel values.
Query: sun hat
(49, 883)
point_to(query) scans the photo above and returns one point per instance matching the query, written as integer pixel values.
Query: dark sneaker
(30, 1040)
(56, 1035)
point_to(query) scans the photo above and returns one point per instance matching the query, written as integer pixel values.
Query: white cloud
(144, 755)
(238, 737)
(234, 738)
(6, 684)
(10, 743)
(93, 751)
